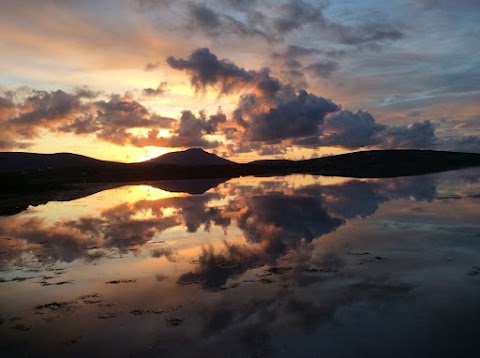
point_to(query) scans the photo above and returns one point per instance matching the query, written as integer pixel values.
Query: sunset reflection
(295, 252)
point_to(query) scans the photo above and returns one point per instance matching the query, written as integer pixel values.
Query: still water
(295, 266)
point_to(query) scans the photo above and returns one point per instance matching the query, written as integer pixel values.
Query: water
(288, 266)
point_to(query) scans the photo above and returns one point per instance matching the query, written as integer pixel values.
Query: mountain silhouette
(29, 172)
(19, 161)
(190, 157)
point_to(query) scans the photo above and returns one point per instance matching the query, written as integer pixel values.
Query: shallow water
(288, 266)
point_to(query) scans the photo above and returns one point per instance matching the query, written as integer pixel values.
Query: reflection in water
(293, 266)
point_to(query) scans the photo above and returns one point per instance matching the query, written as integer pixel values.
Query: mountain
(190, 157)
(18, 161)
(376, 163)
(28, 172)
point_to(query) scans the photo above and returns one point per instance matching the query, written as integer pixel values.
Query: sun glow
(152, 152)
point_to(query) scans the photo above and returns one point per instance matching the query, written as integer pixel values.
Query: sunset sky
(129, 80)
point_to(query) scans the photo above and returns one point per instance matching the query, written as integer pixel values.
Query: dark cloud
(154, 92)
(121, 113)
(38, 111)
(84, 113)
(359, 129)
(370, 33)
(273, 112)
(416, 135)
(270, 115)
(293, 70)
(274, 21)
(294, 51)
(292, 114)
(44, 109)
(81, 112)
(469, 143)
(149, 67)
(322, 69)
(204, 17)
(294, 15)
(206, 69)
(189, 132)
(216, 24)
(351, 130)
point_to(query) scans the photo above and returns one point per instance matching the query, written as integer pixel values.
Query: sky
(128, 80)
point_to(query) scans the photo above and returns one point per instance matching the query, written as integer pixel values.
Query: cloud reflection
(273, 218)
(256, 265)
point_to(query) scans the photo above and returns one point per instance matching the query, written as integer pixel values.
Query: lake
(295, 266)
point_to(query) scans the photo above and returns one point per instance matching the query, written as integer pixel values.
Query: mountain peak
(191, 157)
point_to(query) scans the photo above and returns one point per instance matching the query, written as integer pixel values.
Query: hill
(19, 161)
(27, 172)
(190, 157)
(376, 163)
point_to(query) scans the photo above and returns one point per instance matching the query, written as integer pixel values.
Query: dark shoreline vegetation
(33, 179)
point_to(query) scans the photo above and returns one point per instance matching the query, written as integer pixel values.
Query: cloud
(216, 24)
(84, 112)
(206, 69)
(416, 135)
(322, 69)
(274, 21)
(293, 52)
(203, 16)
(287, 114)
(359, 129)
(369, 33)
(293, 70)
(38, 111)
(294, 15)
(152, 66)
(271, 112)
(154, 92)
(188, 132)
(270, 116)
(468, 143)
